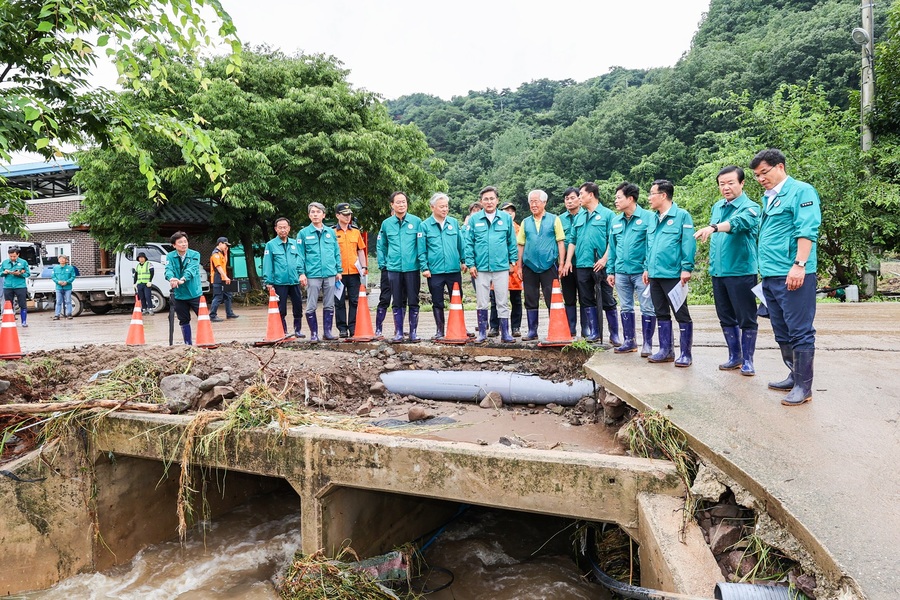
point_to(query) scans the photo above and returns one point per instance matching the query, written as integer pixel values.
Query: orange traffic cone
(456, 322)
(274, 326)
(9, 337)
(558, 333)
(363, 331)
(204, 327)
(135, 335)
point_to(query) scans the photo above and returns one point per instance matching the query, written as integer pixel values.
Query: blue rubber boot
(327, 323)
(648, 326)
(787, 356)
(612, 321)
(313, 321)
(685, 343)
(666, 352)
(186, 334)
(628, 344)
(438, 323)
(380, 314)
(594, 325)
(298, 327)
(733, 340)
(399, 315)
(413, 325)
(532, 317)
(748, 348)
(505, 337)
(482, 326)
(801, 393)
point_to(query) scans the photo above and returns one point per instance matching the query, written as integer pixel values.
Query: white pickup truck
(101, 293)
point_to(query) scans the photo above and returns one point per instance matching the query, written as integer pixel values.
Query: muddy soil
(323, 377)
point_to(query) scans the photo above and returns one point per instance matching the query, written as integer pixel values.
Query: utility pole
(867, 99)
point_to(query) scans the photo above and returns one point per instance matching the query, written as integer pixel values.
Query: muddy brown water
(490, 553)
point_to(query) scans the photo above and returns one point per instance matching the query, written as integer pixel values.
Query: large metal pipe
(514, 388)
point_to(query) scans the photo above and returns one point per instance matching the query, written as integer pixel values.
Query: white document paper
(678, 295)
(757, 291)
(338, 289)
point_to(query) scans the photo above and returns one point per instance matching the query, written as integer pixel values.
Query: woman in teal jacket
(183, 273)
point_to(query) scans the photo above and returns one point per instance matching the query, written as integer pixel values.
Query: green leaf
(31, 113)
(42, 143)
(45, 26)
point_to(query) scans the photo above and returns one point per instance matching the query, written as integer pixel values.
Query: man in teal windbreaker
(490, 253)
(444, 256)
(401, 250)
(788, 234)
(670, 261)
(319, 266)
(183, 273)
(280, 270)
(732, 235)
(15, 272)
(63, 275)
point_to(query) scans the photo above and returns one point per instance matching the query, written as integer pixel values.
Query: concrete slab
(826, 469)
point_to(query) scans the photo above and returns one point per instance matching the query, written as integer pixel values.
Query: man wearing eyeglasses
(670, 260)
(789, 228)
(732, 235)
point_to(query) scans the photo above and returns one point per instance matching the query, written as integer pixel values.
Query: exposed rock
(804, 583)
(726, 511)
(556, 408)
(736, 562)
(724, 536)
(613, 408)
(492, 400)
(365, 408)
(706, 486)
(214, 380)
(388, 351)
(4, 385)
(180, 391)
(214, 396)
(417, 413)
(377, 388)
(500, 359)
(589, 405)
(391, 365)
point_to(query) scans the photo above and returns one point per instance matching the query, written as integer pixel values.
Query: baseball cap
(508, 205)
(343, 209)
(223, 240)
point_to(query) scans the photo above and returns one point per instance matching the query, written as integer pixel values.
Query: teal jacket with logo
(400, 246)
(628, 242)
(320, 254)
(541, 249)
(444, 246)
(12, 281)
(63, 273)
(590, 236)
(491, 244)
(794, 213)
(733, 253)
(187, 268)
(281, 262)
(670, 244)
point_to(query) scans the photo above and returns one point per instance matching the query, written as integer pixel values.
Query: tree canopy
(50, 48)
(290, 130)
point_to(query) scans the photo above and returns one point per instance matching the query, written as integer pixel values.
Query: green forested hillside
(637, 124)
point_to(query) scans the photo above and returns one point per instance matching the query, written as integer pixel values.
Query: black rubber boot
(572, 318)
(733, 341)
(801, 393)
(438, 323)
(787, 355)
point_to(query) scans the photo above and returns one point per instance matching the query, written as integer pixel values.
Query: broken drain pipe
(515, 388)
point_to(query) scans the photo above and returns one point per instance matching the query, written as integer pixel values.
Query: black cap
(343, 209)
(508, 205)
(223, 240)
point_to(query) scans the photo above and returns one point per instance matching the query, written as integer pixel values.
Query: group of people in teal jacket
(15, 272)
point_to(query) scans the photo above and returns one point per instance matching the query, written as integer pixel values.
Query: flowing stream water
(491, 554)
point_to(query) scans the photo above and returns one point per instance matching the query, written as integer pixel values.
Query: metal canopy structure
(43, 179)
